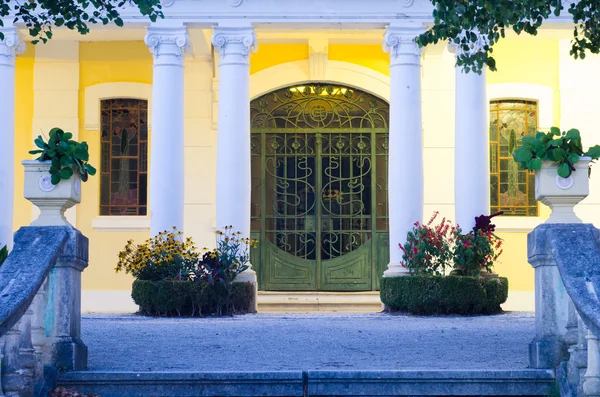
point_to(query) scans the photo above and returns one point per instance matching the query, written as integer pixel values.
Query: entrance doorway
(319, 188)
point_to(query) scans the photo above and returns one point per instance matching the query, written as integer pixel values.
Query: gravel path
(268, 342)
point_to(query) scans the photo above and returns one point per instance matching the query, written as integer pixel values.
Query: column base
(69, 354)
(547, 353)
(396, 270)
(249, 276)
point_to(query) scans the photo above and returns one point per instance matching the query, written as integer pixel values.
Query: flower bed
(444, 295)
(174, 279)
(430, 253)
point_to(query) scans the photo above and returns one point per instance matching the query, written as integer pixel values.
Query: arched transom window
(511, 190)
(124, 168)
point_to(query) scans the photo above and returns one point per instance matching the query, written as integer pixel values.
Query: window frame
(140, 168)
(93, 95)
(499, 172)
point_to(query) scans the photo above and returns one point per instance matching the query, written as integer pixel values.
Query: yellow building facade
(63, 83)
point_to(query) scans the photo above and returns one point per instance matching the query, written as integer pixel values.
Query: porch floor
(292, 342)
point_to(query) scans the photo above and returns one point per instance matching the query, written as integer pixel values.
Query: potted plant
(561, 168)
(53, 180)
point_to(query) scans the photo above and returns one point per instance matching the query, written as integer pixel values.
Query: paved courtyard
(278, 342)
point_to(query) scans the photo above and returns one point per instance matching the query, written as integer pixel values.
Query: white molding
(298, 72)
(542, 94)
(121, 224)
(95, 93)
(516, 224)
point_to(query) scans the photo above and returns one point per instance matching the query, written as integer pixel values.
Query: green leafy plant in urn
(53, 180)
(562, 170)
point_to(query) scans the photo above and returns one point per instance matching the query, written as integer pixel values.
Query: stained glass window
(124, 165)
(511, 190)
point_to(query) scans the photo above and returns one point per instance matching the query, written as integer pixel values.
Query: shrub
(475, 251)
(143, 293)
(188, 298)
(431, 250)
(444, 295)
(164, 257)
(427, 248)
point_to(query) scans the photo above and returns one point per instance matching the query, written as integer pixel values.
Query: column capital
(234, 42)
(167, 41)
(474, 47)
(10, 46)
(399, 42)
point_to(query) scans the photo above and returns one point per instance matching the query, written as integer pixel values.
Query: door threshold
(318, 301)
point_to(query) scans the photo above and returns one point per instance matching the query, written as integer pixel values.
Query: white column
(168, 44)
(405, 175)
(10, 46)
(471, 166)
(234, 43)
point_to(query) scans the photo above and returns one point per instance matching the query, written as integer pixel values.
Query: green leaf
(67, 136)
(594, 152)
(573, 158)
(535, 164)
(555, 131)
(559, 154)
(91, 170)
(573, 134)
(55, 179)
(564, 170)
(522, 155)
(66, 173)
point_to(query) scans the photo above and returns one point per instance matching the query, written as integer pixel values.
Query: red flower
(467, 244)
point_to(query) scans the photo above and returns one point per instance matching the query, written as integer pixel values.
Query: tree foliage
(474, 26)
(41, 16)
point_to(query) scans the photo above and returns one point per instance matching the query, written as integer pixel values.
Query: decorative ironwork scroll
(319, 166)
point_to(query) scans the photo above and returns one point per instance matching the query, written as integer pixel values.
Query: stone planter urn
(562, 194)
(52, 200)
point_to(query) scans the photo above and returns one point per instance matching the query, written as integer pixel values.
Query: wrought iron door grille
(319, 167)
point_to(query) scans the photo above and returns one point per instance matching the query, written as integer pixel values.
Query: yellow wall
(23, 130)
(105, 62)
(370, 56)
(526, 61)
(273, 54)
(530, 61)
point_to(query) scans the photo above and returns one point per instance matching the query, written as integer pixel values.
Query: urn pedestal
(52, 200)
(562, 194)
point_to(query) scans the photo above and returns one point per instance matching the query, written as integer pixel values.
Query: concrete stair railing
(566, 258)
(40, 315)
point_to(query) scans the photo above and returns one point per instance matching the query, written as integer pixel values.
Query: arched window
(124, 166)
(511, 190)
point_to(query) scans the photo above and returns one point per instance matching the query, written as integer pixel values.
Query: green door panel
(382, 255)
(285, 272)
(351, 272)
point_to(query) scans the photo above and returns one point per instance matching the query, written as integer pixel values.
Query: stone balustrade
(40, 309)
(566, 259)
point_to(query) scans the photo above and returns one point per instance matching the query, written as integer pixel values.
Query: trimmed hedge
(187, 298)
(444, 294)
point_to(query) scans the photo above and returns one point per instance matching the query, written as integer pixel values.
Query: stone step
(527, 382)
(313, 302)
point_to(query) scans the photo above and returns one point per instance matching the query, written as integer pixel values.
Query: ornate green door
(319, 191)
